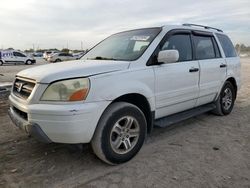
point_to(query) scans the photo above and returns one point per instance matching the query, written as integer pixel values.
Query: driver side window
(17, 54)
(182, 43)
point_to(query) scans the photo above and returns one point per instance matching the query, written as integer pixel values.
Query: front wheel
(120, 133)
(226, 99)
(28, 62)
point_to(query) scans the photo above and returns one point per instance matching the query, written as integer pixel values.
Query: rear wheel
(120, 133)
(226, 99)
(1, 63)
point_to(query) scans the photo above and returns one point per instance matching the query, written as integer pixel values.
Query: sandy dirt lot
(204, 151)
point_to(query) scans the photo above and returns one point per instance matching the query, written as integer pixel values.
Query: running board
(175, 118)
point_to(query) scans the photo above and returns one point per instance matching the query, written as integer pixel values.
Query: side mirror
(168, 56)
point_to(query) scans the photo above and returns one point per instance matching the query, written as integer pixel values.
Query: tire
(1, 63)
(106, 135)
(58, 60)
(225, 102)
(28, 62)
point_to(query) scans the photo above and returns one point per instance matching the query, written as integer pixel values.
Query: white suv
(131, 81)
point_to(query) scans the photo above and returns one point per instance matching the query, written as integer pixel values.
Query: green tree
(29, 50)
(65, 50)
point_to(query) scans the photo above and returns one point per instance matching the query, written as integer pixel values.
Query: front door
(177, 84)
(19, 57)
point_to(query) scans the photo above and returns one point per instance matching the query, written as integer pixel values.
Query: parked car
(15, 57)
(38, 54)
(78, 55)
(126, 85)
(58, 57)
(46, 54)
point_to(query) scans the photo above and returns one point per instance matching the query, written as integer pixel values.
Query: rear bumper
(51, 60)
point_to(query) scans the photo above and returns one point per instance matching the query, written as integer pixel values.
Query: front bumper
(60, 123)
(30, 128)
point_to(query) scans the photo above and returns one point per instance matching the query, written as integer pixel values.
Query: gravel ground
(204, 151)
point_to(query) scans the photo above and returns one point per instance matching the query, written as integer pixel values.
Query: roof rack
(205, 27)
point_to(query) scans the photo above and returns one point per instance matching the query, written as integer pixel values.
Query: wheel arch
(28, 60)
(232, 80)
(142, 103)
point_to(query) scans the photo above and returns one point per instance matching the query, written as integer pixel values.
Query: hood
(71, 69)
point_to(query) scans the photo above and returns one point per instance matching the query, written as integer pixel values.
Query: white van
(12, 56)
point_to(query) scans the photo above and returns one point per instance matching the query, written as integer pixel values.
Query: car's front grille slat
(23, 87)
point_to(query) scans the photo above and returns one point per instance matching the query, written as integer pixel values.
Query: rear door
(176, 84)
(213, 67)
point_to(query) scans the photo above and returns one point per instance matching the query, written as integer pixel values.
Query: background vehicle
(128, 83)
(37, 55)
(15, 57)
(46, 54)
(78, 55)
(58, 57)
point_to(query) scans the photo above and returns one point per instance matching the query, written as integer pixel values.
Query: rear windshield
(227, 45)
(125, 46)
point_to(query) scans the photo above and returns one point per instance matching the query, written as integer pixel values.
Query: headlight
(67, 90)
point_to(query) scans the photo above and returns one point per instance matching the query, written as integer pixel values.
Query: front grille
(22, 114)
(23, 87)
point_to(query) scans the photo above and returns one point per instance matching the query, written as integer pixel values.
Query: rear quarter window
(227, 45)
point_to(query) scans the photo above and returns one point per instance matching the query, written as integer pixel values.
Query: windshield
(125, 46)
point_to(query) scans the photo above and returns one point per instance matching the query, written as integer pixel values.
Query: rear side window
(204, 47)
(182, 43)
(227, 45)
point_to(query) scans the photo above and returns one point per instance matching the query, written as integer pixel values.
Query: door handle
(223, 65)
(193, 70)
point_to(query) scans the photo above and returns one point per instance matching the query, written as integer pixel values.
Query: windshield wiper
(102, 58)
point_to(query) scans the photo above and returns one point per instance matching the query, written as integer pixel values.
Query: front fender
(113, 85)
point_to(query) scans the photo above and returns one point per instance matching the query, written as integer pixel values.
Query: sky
(80, 24)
